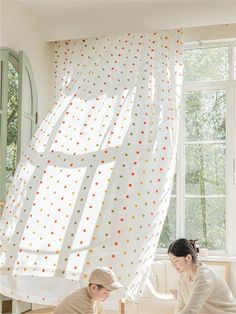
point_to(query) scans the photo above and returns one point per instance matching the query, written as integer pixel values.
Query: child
(88, 300)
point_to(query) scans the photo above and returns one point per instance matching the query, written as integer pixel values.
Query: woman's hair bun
(194, 245)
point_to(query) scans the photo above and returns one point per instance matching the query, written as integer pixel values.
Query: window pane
(174, 187)
(205, 115)
(168, 233)
(205, 169)
(205, 220)
(12, 123)
(206, 64)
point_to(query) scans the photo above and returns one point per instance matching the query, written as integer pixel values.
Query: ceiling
(67, 19)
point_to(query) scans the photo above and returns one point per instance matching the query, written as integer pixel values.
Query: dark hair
(183, 247)
(99, 286)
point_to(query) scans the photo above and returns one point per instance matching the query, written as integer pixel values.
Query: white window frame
(230, 87)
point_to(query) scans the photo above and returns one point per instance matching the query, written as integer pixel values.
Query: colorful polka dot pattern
(94, 184)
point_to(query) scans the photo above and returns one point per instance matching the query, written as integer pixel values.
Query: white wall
(209, 33)
(20, 31)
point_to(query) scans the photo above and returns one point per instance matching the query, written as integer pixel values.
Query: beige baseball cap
(104, 276)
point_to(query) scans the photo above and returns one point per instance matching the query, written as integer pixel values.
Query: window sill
(210, 258)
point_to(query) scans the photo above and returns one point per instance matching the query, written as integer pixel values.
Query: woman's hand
(174, 292)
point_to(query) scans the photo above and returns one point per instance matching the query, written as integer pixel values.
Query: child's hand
(174, 292)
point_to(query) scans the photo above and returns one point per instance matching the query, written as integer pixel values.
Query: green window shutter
(3, 122)
(27, 103)
(18, 103)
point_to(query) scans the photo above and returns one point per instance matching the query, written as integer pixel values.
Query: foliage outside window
(12, 123)
(18, 102)
(198, 206)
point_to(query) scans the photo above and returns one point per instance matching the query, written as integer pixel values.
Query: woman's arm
(201, 289)
(179, 305)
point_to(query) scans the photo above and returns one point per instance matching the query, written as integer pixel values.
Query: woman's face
(181, 263)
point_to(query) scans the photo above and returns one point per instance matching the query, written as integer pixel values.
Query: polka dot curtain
(94, 184)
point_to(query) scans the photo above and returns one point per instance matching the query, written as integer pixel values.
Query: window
(12, 121)
(18, 99)
(201, 204)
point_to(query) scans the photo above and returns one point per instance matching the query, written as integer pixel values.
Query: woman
(200, 288)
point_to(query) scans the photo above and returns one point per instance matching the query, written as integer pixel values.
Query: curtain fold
(94, 184)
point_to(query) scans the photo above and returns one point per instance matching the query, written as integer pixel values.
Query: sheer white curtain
(94, 185)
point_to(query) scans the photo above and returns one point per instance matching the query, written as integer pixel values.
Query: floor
(44, 311)
(7, 309)
(49, 311)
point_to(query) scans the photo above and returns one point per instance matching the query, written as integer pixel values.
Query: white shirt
(79, 302)
(206, 293)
